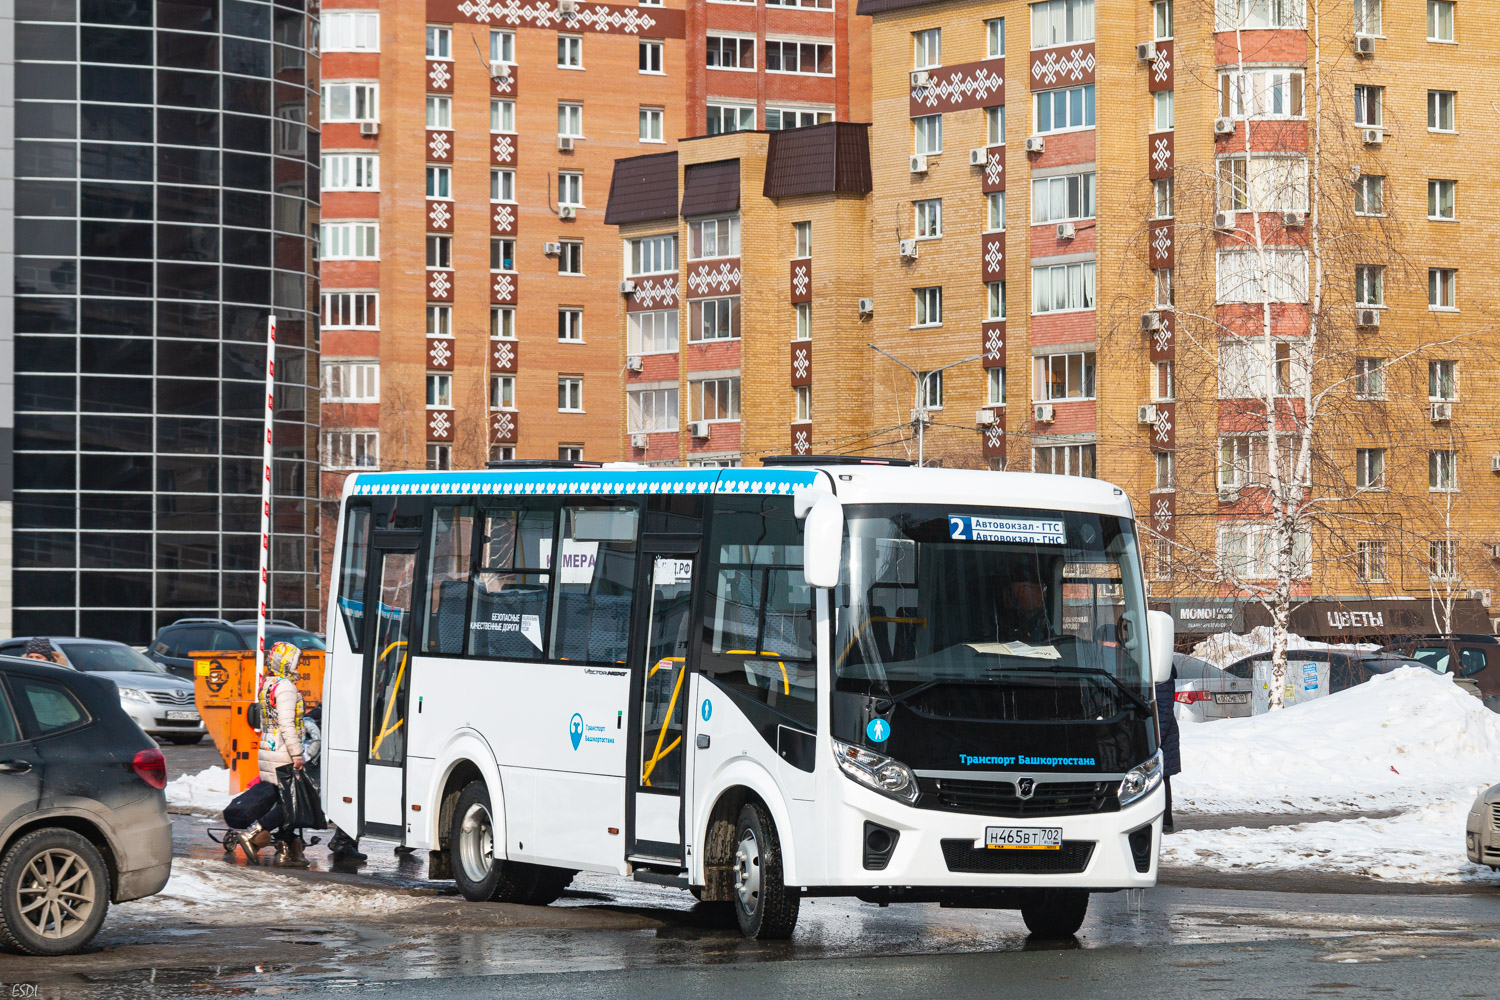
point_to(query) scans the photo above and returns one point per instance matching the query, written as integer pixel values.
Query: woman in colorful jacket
(281, 711)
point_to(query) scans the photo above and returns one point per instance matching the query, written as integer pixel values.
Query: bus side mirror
(1161, 637)
(822, 538)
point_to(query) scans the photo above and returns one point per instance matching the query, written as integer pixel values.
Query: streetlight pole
(919, 412)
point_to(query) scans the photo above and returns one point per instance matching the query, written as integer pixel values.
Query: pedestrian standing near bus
(1168, 739)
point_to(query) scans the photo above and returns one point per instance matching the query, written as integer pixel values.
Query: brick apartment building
(1080, 247)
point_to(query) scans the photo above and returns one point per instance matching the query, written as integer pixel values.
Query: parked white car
(1482, 839)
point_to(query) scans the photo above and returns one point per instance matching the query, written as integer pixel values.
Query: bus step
(661, 878)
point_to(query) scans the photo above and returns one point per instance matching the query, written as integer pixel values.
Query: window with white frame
(1442, 559)
(1063, 376)
(1369, 468)
(1166, 118)
(1369, 195)
(1369, 285)
(439, 182)
(570, 258)
(714, 399)
(1061, 22)
(503, 322)
(570, 324)
(439, 320)
(1062, 287)
(1369, 105)
(351, 172)
(1162, 287)
(349, 31)
(927, 135)
(350, 241)
(930, 390)
(439, 390)
(570, 51)
(1064, 110)
(785, 118)
(351, 310)
(1232, 14)
(1442, 288)
(802, 398)
(1062, 198)
(651, 124)
(1440, 20)
(651, 410)
(1441, 200)
(570, 453)
(351, 449)
(1165, 471)
(928, 306)
(1163, 381)
(714, 319)
(502, 253)
(1442, 470)
(1261, 93)
(502, 184)
(927, 48)
(1440, 105)
(653, 332)
(503, 47)
(730, 52)
(1442, 381)
(570, 394)
(649, 56)
(928, 214)
(1249, 551)
(439, 112)
(994, 126)
(1161, 19)
(1371, 560)
(439, 42)
(994, 386)
(717, 237)
(1161, 198)
(652, 255)
(803, 313)
(1242, 460)
(570, 188)
(994, 38)
(502, 392)
(502, 116)
(994, 212)
(570, 120)
(994, 294)
(801, 240)
(351, 102)
(724, 118)
(351, 382)
(784, 55)
(1064, 460)
(439, 251)
(1243, 276)
(504, 452)
(1249, 368)
(1369, 378)
(1367, 17)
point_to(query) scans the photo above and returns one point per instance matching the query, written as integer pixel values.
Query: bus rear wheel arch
(481, 877)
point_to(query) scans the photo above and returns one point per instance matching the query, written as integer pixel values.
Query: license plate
(1023, 838)
(1241, 698)
(182, 716)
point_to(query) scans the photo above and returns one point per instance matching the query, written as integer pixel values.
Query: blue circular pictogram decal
(707, 709)
(878, 730)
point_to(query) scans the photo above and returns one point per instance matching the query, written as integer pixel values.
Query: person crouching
(281, 721)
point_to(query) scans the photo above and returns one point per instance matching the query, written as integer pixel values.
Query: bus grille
(999, 798)
(1071, 859)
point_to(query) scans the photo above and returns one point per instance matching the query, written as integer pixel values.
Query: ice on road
(221, 892)
(204, 794)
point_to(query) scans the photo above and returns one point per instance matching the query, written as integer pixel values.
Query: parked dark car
(1205, 693)
(1473, 658)
(83, 818)
(1346, 667)
(173, 643)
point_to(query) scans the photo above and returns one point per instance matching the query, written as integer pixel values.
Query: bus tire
(1054, 913)
(765, 906)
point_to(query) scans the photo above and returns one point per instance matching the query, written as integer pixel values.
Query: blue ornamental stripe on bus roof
(585, 482)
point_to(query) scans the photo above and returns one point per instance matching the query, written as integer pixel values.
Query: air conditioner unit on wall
(1495, 463)
(552, 249)
(977, 156)
(1146, 51)
(1066, 230)
(499, 71)
(1368, 318)
(1364, 45)
(567, 212)
(867, 307)
(698, 428)
(369, 129)
(1036, 144)
(1151, 322)
(1482, 596)
(1442, 413)
(639, 441)
(1294, 220)
(567, 8)
(1229, 494)
(920, 78)
(633, 363)
(1044, 413)
(1224, 221)
(919, 164)
(1495, 551)
(1223, 126)
(565, 143)
(1146, 414)
(909, 249)
(627, 287)
(1372, 136)
(984, 418)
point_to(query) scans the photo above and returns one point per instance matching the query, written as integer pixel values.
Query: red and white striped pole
(265, 508)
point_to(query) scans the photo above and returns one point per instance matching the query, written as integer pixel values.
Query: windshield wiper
(1096, 672)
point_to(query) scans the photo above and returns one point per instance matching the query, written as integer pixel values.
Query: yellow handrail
(386, 728)
(786, 684)
(657, 754)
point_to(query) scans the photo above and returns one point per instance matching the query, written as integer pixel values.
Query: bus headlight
(1141, 780)
(873, 770)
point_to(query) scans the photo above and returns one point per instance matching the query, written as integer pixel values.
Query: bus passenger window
(595, 581)
(760, 627)
(352, 573)
(511, 589)
(448, 579)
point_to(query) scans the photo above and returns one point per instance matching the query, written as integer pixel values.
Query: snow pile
(1401, 740)
(1424, 845)
(215, 892)
(205, 793)
(1224, 648)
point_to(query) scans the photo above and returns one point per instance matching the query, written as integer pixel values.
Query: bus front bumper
(939, 849)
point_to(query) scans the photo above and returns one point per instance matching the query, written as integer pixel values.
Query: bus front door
(654, 813)
(387, 679)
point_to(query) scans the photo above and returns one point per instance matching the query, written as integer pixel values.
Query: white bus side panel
(341, 778)
(383, 787)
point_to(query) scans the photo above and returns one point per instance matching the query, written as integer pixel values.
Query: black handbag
(299, 799)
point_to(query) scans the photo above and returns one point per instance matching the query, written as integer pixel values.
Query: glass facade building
(165, 201)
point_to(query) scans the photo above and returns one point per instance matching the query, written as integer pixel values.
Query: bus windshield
(993, 612)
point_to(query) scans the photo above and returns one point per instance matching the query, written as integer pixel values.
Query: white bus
(813, 678)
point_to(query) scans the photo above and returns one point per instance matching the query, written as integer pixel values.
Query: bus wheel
(1054, 913)
(764, 905)
(480, 876)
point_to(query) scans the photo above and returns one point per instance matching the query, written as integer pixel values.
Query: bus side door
(387, 680)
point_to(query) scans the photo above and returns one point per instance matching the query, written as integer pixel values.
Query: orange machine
(224, 687)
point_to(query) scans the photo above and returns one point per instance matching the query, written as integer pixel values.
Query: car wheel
(765, 906)
(483, 878)
(1054, 913)
(54, 893)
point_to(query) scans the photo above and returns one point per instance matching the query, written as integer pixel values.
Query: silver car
(1482, 834)
(159, 702)
(1206, 693)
